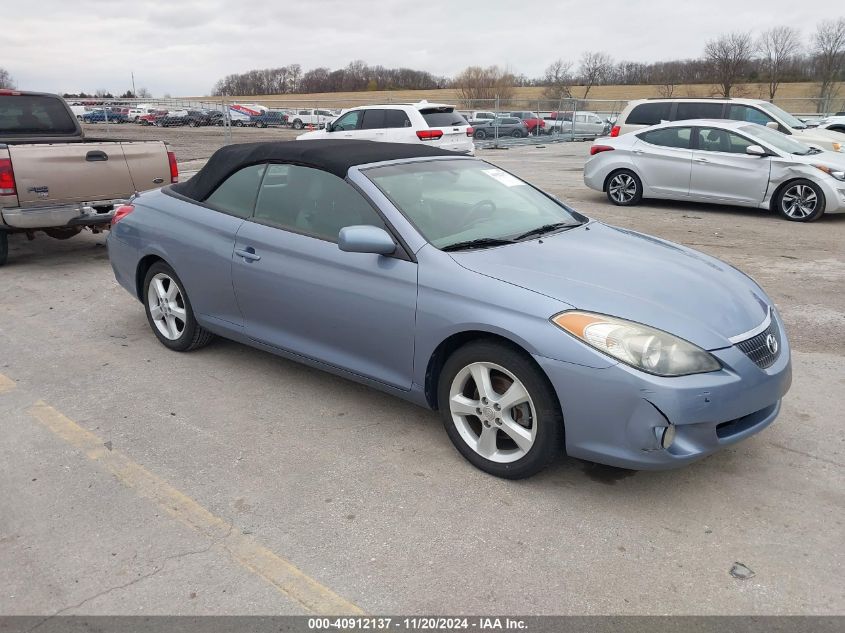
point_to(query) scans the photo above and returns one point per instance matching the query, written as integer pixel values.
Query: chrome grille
(757, 348)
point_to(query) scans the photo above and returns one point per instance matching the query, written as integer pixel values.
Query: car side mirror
(365, 239)
(329, 127)
(756, 150)
(772, 125)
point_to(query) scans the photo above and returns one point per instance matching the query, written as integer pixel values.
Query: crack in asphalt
(155, 571)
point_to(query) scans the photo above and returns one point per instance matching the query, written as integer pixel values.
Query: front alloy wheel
(499, 410)
(801, 201)
(624, 188)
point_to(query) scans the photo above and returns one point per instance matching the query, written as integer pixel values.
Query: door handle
(248, 254)
(701, 160)
(96, 155)
(637, 151)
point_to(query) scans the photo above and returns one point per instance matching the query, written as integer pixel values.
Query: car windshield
(456, 201)
(783, 115)
(776, 139)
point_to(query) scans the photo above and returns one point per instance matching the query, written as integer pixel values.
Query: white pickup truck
(53, 179)
(317, 118)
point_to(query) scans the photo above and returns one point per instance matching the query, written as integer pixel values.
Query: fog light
(665, 435)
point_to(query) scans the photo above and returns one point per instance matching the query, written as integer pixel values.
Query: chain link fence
(195, 128)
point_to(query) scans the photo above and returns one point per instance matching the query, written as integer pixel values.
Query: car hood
(626, 274)
(819, 136)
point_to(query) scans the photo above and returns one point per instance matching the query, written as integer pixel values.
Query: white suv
(646, 112)
(434, 124)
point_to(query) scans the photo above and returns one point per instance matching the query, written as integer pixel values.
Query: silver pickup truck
(53, 179)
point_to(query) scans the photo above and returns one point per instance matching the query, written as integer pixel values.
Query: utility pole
(135, 94)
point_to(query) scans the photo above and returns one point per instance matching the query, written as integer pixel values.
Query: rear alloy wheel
(801, 201)
(169, 311)
(297, 125)
(480, 135)
(624, 188)
(500, 410)
(516, 134)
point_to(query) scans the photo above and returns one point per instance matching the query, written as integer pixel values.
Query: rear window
(442, 116)
(668, 137)
(649, 113)
(396, 118)
(34, 114)
(699, 110)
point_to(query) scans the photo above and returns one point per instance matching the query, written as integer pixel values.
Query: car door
(348, 125)
(398, 127)
(663, 159)
(722, 171)
(373, 126)
(299, 292)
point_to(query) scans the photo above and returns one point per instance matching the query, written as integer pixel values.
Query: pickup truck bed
(52, 179)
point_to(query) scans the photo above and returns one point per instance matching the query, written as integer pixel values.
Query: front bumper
(610, 415)
(76, 214)
(834, 194)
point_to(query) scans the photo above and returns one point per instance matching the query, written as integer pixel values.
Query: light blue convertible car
(447, 281)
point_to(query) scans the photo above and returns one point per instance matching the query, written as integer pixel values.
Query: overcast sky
(182, 47)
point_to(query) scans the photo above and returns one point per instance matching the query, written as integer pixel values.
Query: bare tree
(829, 51)
(558, 80)
(777, 47)
(6, 80)
(143, 93)
(594, 69)
(477, 83)
(728, 56)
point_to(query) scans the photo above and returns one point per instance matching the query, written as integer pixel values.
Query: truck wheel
(63, 232)
(297, 124)
(4, 247)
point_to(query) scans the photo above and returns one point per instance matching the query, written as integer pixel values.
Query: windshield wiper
(546, 228)
(482, 242)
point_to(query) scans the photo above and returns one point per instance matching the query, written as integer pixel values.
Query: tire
(535, 419)
(191, 335)
(63, 233)
(800, 201)
(624, 188)
(297, 124)
(194, 123)
(480, 135)
(4, 247)
(516, 134)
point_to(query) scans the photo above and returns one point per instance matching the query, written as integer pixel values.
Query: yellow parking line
(6, 384)
(282, 574)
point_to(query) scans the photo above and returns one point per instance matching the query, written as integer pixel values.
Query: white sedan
(728, 162)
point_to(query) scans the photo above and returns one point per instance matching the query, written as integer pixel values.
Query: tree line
(773, 57)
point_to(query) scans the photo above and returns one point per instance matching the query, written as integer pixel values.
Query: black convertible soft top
(332, 155)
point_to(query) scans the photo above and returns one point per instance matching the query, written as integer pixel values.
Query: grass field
(795, 97)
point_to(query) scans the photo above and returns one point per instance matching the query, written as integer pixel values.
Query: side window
(311, 201)
(396, 118)
(304, 112)
(668, 137)
(236, 194)
(712, 140)
(348, 121)
(649, 113)
(373, 120)
(580, 118)
(747, 113)
(698, 110)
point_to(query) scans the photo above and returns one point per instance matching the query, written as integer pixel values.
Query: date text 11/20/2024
(422, 623)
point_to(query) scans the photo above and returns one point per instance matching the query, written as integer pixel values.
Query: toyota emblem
(772, 344)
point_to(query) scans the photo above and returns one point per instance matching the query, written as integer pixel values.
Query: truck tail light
(470, 131)
(174, 168)
(429, 135)
(596, 149)
(121, 212)
(614, 131)
(7, 178)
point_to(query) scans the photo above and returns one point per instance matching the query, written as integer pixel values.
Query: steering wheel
(475, 214)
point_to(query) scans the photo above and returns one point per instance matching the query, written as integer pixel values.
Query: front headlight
(830, 171)
(646, 348)
(837, 147)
